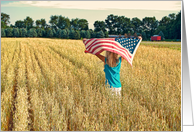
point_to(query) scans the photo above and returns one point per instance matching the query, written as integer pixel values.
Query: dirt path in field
(30, 111)
(14, 94)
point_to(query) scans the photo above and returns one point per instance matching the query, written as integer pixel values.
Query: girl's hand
(139, 37)
(84, 39)
(86, 51)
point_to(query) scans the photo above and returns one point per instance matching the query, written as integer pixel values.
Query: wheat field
(52, 85)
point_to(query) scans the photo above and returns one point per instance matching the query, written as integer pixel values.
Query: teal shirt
(112, 74)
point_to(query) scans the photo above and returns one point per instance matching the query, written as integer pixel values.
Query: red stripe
(115, 51)
(112, 50)
(88, 46)
(88, 41)
(113, 39)
(114, 45)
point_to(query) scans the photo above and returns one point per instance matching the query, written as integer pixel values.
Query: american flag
(125, 47)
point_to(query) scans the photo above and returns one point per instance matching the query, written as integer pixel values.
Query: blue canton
(128, 43)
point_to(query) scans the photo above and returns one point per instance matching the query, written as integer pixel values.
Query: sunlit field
(52, 85)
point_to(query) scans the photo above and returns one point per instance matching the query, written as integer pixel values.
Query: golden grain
(60, 88)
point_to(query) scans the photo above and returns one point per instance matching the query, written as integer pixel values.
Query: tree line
(169, 27)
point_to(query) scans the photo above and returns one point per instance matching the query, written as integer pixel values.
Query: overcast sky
(90, 10)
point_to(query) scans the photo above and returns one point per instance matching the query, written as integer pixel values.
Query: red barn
(156, 38)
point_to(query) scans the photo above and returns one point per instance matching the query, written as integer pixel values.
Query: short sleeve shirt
(112, 74)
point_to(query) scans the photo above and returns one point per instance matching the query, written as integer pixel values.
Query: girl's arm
(102, 58)
(122, 59)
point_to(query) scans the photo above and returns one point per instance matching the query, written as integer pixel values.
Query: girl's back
(112, 74)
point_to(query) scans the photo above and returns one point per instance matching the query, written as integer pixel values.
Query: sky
(89, 10)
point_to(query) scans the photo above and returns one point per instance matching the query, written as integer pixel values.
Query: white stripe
(108, 44)
(89, 43)
(86, 40)
(126, 57)
(105, 41)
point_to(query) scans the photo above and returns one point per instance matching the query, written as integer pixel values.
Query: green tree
(76, 35)
(54, 32)
(43, 23)
(161, 28)
(20, 24)
(164, 21)
(15, 32)
(82, 24)
(58, 34)
(72, 34)
(9, 32)
(110, 22)
(174, 27)
(136, 24)
(68, 31)
(88, 34)
(144, 37)
(23, 32)
(50, 33)
(64, 34)
(100, 34)
(92, 33)
(28, 22)
(99, 25)
(172, 16)
(12, 26)
(118, 24)
(121, 25)
(53, 21)
(149, 25)
(83, 34)
(38, 23)
(170, 26)
(5, 18)
(161, 34)
(3, 25)
(106, 34)
(32, 33)
(3, 34)
(63, 22)
(74, 24)
(177, 26)
(127, 27)
(40, 32)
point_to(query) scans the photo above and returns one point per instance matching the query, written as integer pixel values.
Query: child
(112, 65)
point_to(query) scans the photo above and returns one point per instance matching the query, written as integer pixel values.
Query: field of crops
(51, 84)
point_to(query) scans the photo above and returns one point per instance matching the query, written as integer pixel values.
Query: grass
(52, 85)
(170, 45)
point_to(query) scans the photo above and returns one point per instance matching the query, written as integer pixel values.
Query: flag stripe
(126, 47)
(114, 48)
(115, 51)
(88, 44)
(114, 44)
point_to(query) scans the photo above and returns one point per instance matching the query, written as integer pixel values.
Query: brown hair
(112, 58)
(135, 35)
(125, 35)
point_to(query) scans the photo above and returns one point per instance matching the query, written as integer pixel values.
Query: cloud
(100, 5)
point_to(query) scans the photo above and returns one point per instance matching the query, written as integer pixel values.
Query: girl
(112, 65)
